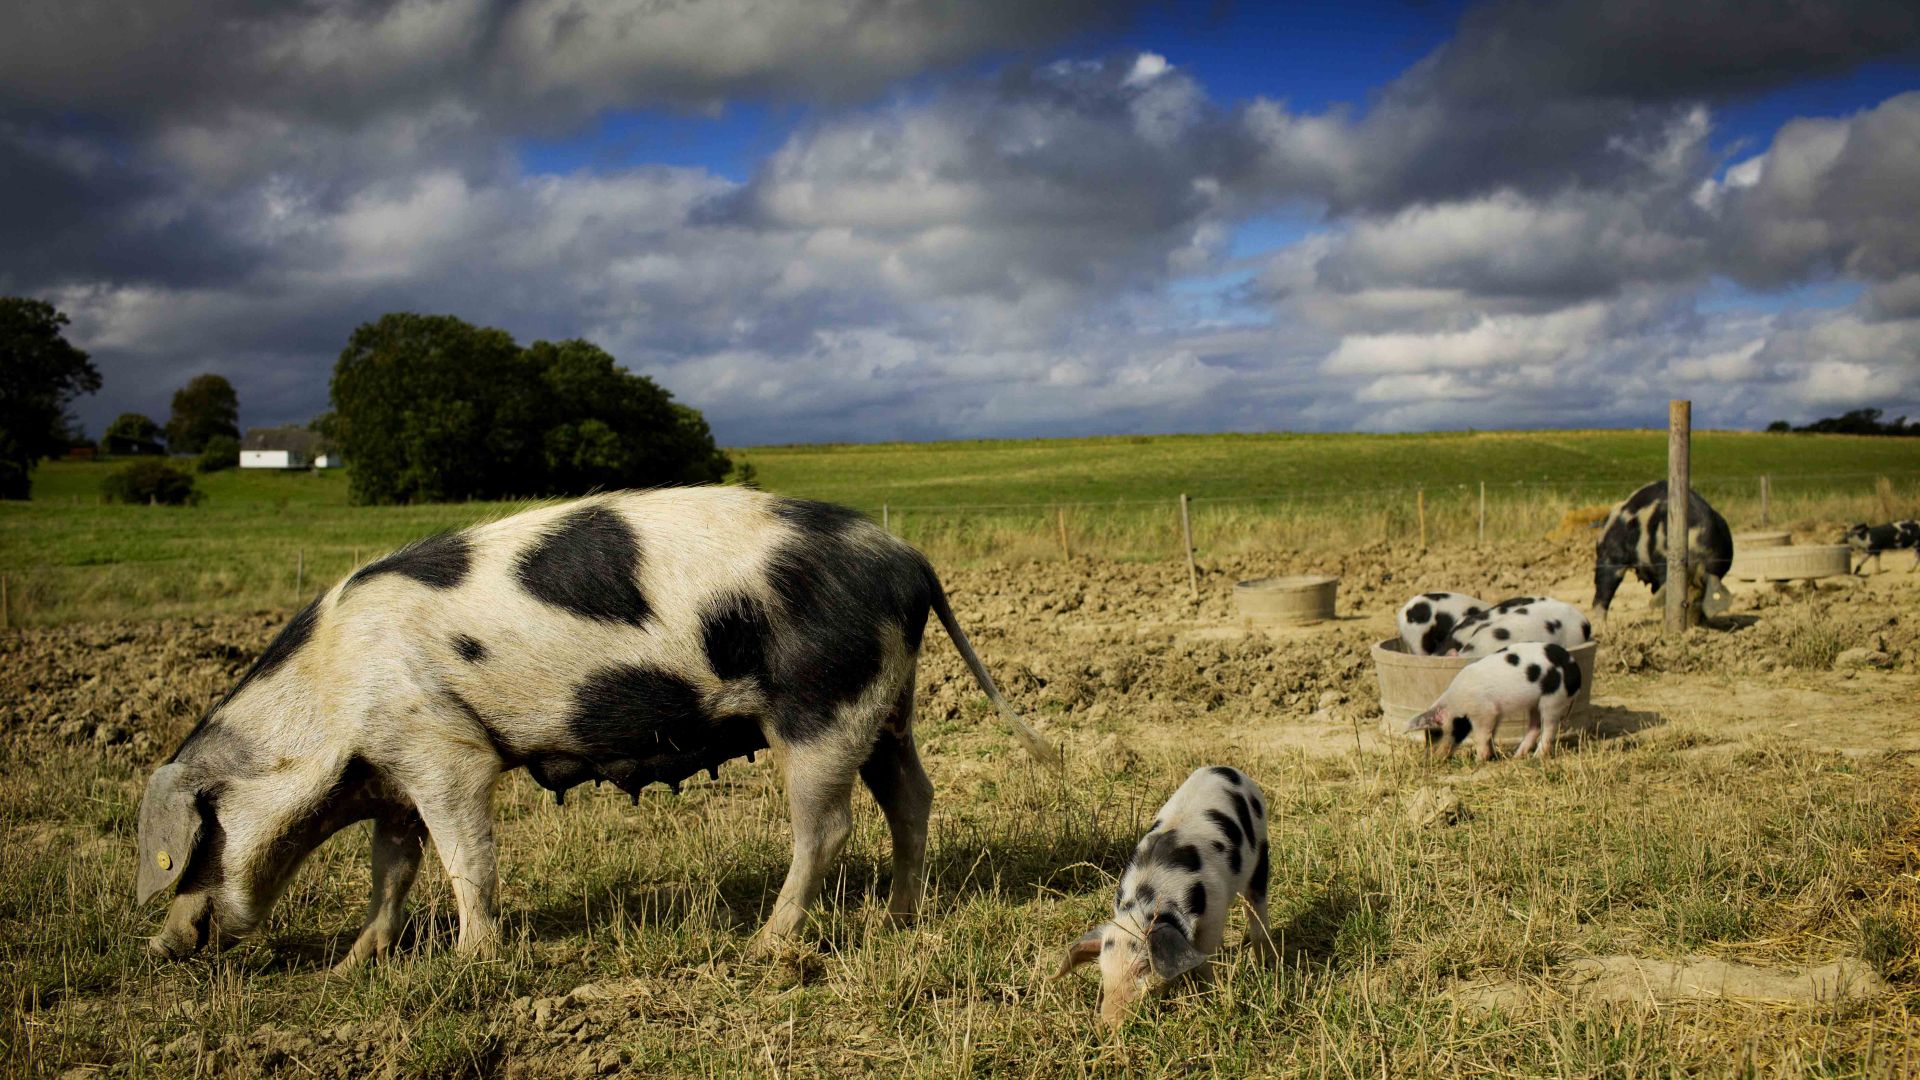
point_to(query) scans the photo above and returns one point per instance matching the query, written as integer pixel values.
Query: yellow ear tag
(165, 860)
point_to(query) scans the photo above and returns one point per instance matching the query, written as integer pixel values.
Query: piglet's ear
(1082, 951)
(169, 829)
(1426, 721)
(1173, 952)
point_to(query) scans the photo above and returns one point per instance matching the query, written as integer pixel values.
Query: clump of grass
(1814, 647)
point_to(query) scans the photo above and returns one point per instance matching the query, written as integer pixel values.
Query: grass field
(263, 540)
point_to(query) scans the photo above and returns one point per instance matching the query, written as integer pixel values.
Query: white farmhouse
(288, 447)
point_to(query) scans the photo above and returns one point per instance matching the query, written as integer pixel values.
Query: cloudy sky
(857, 220)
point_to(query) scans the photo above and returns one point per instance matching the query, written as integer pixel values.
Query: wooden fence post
(1420, 509)
(299, 573)
(1483, 513)
(886, 517)
(1766, 498)
(1679, 446)
(1060, 515)
(1186, 535)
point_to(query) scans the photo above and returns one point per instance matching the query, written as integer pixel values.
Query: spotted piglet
(1428, 621)
(1518, 619)
(1207, 845)
(1535, 680)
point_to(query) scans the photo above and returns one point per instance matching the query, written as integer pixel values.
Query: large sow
(633, 637)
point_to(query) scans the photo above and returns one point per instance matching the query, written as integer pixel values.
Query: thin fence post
(1060, 515)
(886, 517)
(1483, 513)
(1186, 536)
(356, 556)
(1766, 497)
(1679, 447)
(299, 573)
(1420, 508)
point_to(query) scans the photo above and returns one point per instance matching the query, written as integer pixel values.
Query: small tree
(222, 452)
(134, 426)
(1779, 425)
(205, 407)
(150, 481)
(40, 375)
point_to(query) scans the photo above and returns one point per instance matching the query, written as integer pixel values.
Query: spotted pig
(1871, 540)
(1635, 538)
(1207, 845)
(1518, 619)
(1428, 621)
(1534, 680)
(633, 637)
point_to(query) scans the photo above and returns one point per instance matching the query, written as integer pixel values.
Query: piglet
(1518, 619)
(1428, 621)
(1207, 845)
(1535, 680)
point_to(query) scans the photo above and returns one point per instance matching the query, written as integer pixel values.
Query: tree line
(1856, 422)
(425, 408)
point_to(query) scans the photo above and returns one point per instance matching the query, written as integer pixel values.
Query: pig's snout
(186, 929)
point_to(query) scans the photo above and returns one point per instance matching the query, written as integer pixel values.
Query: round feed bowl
(1792, 563)
(1305, 598)
(1754, 541)
(1410, 684)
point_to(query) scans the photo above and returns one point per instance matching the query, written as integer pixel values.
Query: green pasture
(263, 540)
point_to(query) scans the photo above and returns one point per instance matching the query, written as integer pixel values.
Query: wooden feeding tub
(1410, 684)
(1755, 541)
(1287, 601)
(1792, 563)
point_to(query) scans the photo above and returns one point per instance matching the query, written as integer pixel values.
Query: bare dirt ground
(1120, 664)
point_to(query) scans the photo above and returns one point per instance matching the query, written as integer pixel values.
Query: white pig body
(1532, 681)
(1429, 621)
(1521, 619)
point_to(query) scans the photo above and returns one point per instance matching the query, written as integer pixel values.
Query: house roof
(289, 437)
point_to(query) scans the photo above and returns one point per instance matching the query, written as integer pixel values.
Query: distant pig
(1521, 619)
(1428, 621)
(1207, 845)
(1635, 538)
(1871, 540)
(1535, 680)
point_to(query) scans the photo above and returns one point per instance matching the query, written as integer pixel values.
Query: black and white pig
(1534, 680)
(1207, 845)
(1871, 540)
(632, 637)
(1635, 538)
(1518, 619)
(1428, 621)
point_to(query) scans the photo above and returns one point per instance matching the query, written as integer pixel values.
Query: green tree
(221, 452)
(429, 408)
(132, 425)
(40, 375)
(150, 481)
(205, 407)
(609, 428)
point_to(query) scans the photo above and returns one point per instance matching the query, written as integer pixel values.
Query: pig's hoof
(161, 948)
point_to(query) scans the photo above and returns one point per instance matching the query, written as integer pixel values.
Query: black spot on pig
(1419, 613)
(1197, 899)
(1514, 659)
(734, 634)
(1553, 626)
(1244, 813)
(1259, 811)
(1257, 884)
(1586, 630)
(1533, 672)
(1501, 633)
(469, 649)
(1434, 641)
(588, 564)
(1228, 829)
(1551, 682)
(1143, 896)
(1436, 597)
(1462, 727)
(441, 562)
(842, 588)
(1571, 673)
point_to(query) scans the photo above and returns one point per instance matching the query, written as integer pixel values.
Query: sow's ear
(1173, 952)
(1082, 951)
(1426, 721)
(169, 830)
